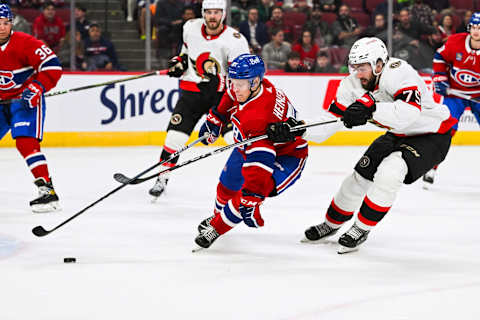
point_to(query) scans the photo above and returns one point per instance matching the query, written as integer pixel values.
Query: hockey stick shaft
(124, 179)
(462, 95)
(40, 231)
(56, 93)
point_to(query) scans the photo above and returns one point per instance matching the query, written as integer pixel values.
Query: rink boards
(137, 112)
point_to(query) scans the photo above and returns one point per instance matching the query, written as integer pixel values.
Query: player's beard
(370, 84)
(212, 25)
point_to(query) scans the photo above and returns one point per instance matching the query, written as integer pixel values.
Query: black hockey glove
(210, 88)
(359, 112)
(280, 131)
(177, 66)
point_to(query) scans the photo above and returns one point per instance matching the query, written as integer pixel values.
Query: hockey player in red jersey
(457, 75)
(28, 69)
(389, 93)
(208, 47)
(258, 170)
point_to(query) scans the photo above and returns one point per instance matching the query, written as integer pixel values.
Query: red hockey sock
(220, 225)
(29, 148)
(223, 195)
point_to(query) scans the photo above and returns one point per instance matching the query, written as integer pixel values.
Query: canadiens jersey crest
(6, 80)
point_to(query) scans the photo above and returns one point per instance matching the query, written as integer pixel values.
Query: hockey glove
(215, 83)
(177, 66)
(32, 95)
(359, 112)
(249, 208)
(281, 131)
(212, 126)
(440, 83)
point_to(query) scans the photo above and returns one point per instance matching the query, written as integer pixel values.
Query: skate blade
(343, 249)
(320, 241)
(198, 249)
(46, 208)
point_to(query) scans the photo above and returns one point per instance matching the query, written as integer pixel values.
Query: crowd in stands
(291, 35)
(92, 51)
(316, 35)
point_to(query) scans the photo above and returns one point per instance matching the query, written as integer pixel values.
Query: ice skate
(352, 239)
(159, 187)
(318, 233)
(205, 239)
(47, 200)
(205, 224)
(428, 178)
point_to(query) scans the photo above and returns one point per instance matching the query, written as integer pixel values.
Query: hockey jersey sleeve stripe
(336, 108)
(258, 165)
(261, 149)
(410, 95)
(50, 62)
(437, 57)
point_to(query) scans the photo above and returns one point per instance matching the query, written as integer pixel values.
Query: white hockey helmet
(368, 50)
(215, 4)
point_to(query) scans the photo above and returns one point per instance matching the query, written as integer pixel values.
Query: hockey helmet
(368, 50)
(474, 20)
(214, 4)
(247, 66)
(5, 12)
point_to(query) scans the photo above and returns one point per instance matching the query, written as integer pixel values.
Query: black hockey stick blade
(40, 231)
(120, 177)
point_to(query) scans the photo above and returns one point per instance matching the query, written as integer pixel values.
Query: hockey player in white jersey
(208, 47)
(387, 92)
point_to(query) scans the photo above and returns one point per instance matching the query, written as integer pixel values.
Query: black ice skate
(205, 239)
(205, 224)
(352, 239)
(428, 178)
(159, 187)
(318, 232)
(47, 200)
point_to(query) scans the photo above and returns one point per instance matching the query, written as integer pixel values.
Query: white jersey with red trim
(404, 104)
(210, 54)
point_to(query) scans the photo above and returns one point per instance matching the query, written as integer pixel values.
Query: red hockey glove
(359, 112)
(212, 126)
(32, 95)
(249, 207)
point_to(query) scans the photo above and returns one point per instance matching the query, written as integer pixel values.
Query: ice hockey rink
(134, 258)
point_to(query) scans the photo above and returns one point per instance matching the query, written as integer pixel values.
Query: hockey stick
(124, 179)
(158, 72)
(462, 95)
(40, 231)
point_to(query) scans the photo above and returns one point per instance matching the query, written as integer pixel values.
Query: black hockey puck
(69, 260)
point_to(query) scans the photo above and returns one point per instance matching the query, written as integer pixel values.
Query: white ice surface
(134, 258)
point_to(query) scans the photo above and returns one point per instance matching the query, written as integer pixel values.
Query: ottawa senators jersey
(404, 104)
(460, 63)
(206, 53)
(251, 119)
(24, 59)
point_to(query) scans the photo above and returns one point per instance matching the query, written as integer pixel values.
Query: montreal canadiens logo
(466, 78)
(6, 80)
(238, 135)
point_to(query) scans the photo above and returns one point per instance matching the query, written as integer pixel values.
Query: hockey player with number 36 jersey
(28, 69)
(391, 94)
(257, 170)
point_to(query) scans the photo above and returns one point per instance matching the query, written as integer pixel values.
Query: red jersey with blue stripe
(457, 60)
(24, 59)
(251, 119)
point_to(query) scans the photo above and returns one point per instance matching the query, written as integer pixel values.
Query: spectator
(99, 52)
(20, 23)
(240, 8)
(265, 10)
(293, 63)
(307, 50)
(275, 52)
(277, 21)
(378, 29)
(466, 19)
(254, 31)
(302, 6)
(81, 22)
(421, 12)
(48, 27)
(329, 5)
(345, 29)
(412, 28)
(168, 20)
(418, 54)
(64, 53)
(319, 29)
(438, 5)
(445, 28)
(323, 64)
(187, 14)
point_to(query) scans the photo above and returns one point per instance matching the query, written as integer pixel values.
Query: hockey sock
(335, 216)
(370, 214)
(166, 153)
(223, 195)
(29, 148)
